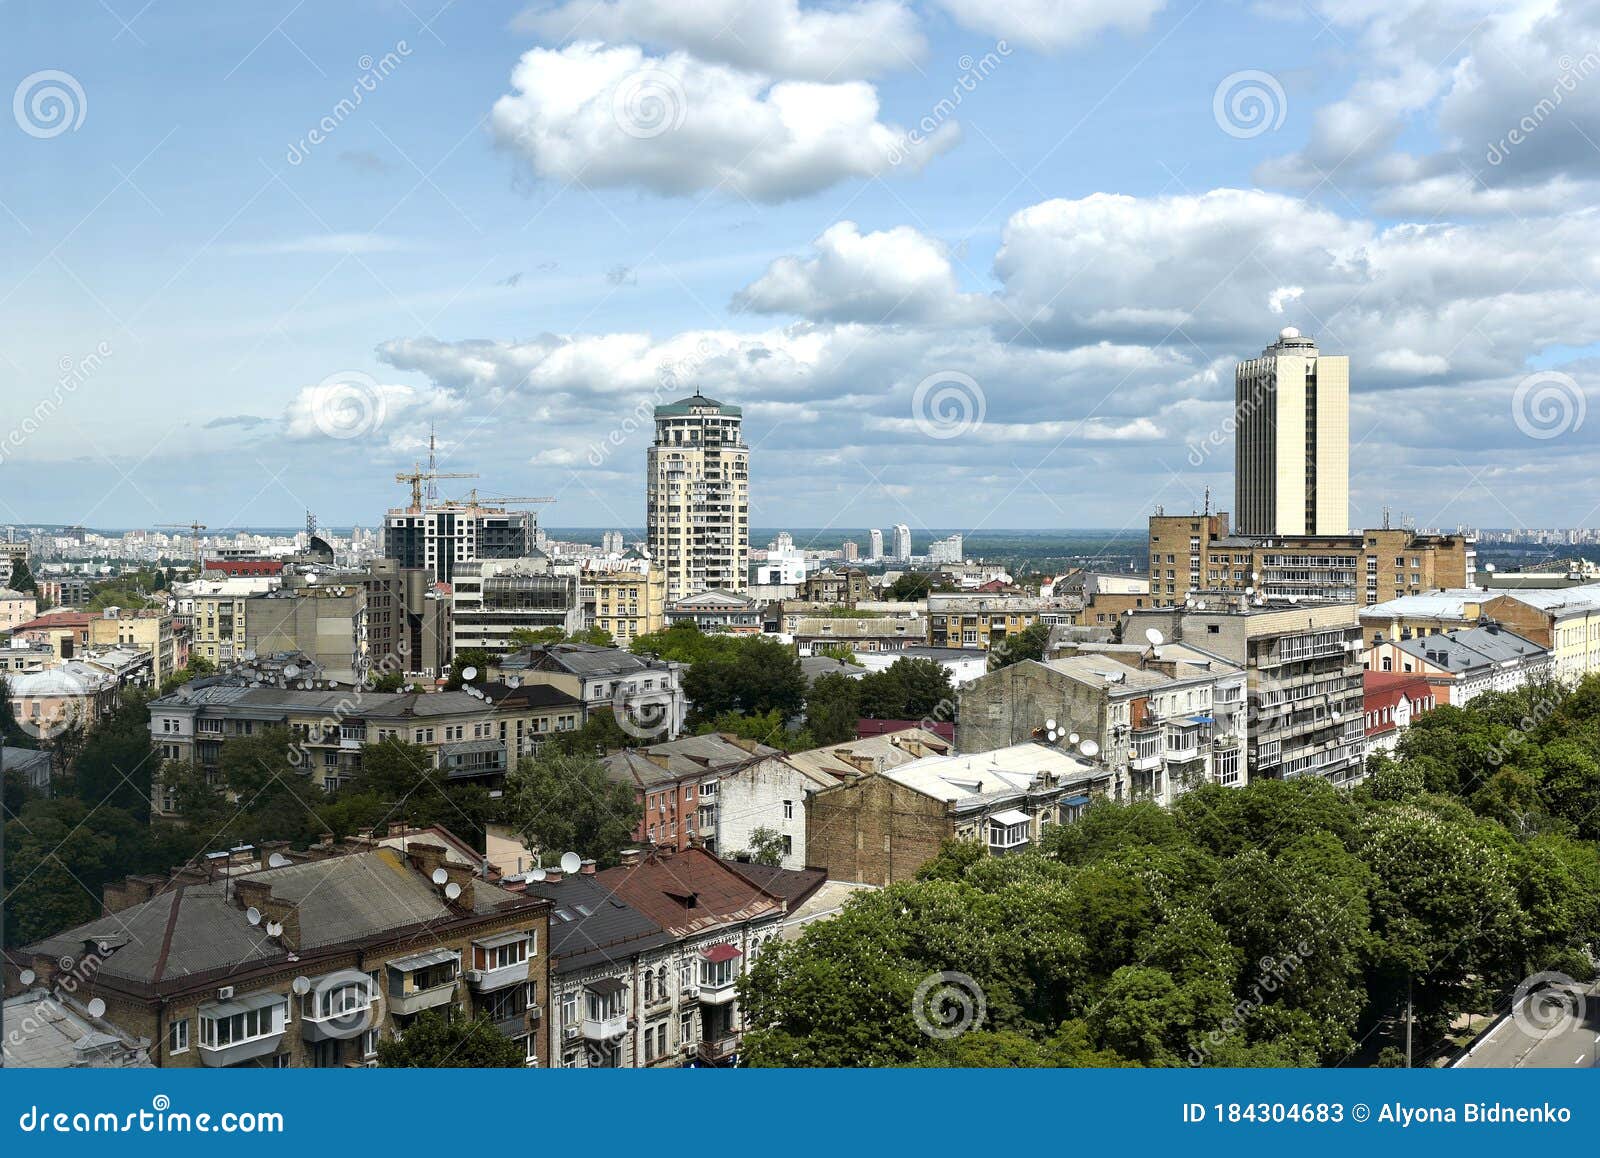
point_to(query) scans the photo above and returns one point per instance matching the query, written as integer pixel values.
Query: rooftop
(589, 919)
(696, 403)
(690, 892)
(685, 757)
(1003, 771)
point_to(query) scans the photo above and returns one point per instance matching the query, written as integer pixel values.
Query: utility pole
(1408, 1019)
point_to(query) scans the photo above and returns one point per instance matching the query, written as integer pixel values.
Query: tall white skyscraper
(902, 542)
(875, 544)
(1292, 448)
(697, 502)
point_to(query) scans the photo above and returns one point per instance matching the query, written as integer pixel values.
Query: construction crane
(473, 499)
(194, 530)
(418, 476)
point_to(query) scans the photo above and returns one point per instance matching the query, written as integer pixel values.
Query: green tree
(1030, 643)
(432, 1042)
(565, 804)
(833, 707)
(22, 578)
(766, 848)
(476, 659)
(908, 689)
(12, 734)
(117, 762)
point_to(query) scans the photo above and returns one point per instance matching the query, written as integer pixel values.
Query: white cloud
(612, 116)
(347, 243)
(894, 275)
(841, 42)
(1053, 24)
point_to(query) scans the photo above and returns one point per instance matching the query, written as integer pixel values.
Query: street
(1573, 1042)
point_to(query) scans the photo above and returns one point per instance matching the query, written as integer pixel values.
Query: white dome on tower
(1288, 332)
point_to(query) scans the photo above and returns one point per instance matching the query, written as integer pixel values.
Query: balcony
(424, 981)
(718, 1052)
(719, 967)
(338, 1011)
(605, 1009)
(605, 1028)
(513, 1025)
(252, 1027)
(499, 961)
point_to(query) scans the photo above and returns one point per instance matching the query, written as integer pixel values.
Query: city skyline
(305, 309)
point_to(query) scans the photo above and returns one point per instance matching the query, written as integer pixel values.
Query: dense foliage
(1278, 924)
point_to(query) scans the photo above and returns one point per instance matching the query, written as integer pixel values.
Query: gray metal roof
(610, 930)
(1467, 650)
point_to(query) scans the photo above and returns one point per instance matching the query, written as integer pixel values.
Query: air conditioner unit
(570, 1032)
(535, 1013)
(225, 993)
(475, 975)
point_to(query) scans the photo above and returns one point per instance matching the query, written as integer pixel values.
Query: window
(569, 1009)
(500, 956)
(716, 974)
(369, 1042)
(685, 1028)
(231, 1029)
(178, 1036)
(788, 810)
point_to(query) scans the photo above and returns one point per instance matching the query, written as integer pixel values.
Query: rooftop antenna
(1208, 502)
(311, 527)
(1385, 518)
(433, 486)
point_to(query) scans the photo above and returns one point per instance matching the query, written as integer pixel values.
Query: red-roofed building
(866, 729)
(721, 919)
(242, 567)
(65, 632)
(1391, 701)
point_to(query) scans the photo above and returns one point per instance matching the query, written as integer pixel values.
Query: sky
(963, 264)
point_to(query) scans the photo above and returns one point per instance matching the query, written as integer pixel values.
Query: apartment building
(721, 922)
(882, 828)
(436, 537)
(1303, 664)
(1564, 620)
(408, 619)
(645, 690)
(1391, 700)
(624, 603)
(307, 964)
(16, 608)
(860, 633)
(1463, 664)
(983, 621)
(1190, 553)
(722, 611)
(773, 792)
(325, 621)
(697, 501)
(149, 629)
(1163, 720)
(836, 587)
(677, 782)
(492, 598)
(468, 736)
(65, 633)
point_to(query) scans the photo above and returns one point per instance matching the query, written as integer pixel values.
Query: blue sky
(1077, 256)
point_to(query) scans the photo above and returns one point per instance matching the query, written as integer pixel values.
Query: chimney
(466, 878)
(287, 914)
(588, 868)
(325, 840)
(552, 876)
(425, 858)
(248, 894)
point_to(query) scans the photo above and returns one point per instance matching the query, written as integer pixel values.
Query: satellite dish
(1294, 599)
(250, 654)
(292, 670)
(277, 860)
(1089, 748)
(1072, 738)
(273, 928)
(469, 673)
(311, 580)
(1050, 724)
(27, 976)
(1489, 567)
(1249, 590)
(537, 874)
(97, 1008)
(301, 985)
(440, 876)
(1155, 637)
(1201, 605)
(253, 915)
(571, 862)
(452, 890)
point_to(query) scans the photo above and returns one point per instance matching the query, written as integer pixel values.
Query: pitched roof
(684, 757)
(795, 886)
(196, 930)
(1467, 650)
(690, 892)
(591, 923)
(581, 659)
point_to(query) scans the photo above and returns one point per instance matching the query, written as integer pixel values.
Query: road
(1571, 1045)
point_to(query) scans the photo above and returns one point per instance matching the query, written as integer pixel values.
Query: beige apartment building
(625, 603)
(697, 503)
(1292, 451)
(1198, 553)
